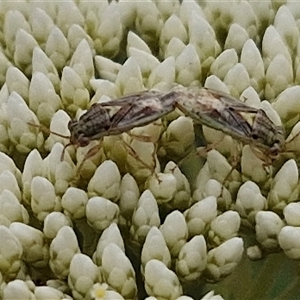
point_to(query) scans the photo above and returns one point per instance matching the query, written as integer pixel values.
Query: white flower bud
(129, 79)
(110, 235)
(74, 202)
(148, 20)
(268, 226)
(35, 249)
(162, 186)
(164, 73)
(76, 34)
(41, 24)
(214, 188)
(9, 182)
(101, 212)
(57, 48)
(44, 199)
(141, 160)
(107, 68)
(236, 37)
(134, 42)
(42, 63)
(175, 232)
(192, 259)
(256, 71)
(292, 214)
(129, 196)
(82, 63)
(222, 260)
(173, 27)
(286, 26)
(223, 63)
(206, 45)
(284, 188)
(292, 142)
(238, 79)
(188, 66)
(155, 247)
(219, 168)
(59, 125)
(200, 215)
(22, 135)
(249, 201)
(53, 222)
(43, 107)
(17, 290)
(110, 32)
(47, 292)
(279, 75)
(32, 167)
(13, 21)
(182, 196)
(11, 208)
(7, 164)
(17, 82)
(73, 91)
(62, 249)
(161, 282)
(118, 272)
(144, 217)
(83, 274)
(272, 44)
(174, 48)
(24, 43)
(287, 104)
(252, 167)
(106, 181)
(10, 254)
(254, 253)
(175, 143)
(289, 241)
(211, 296)
(146, 61)
(224, 227)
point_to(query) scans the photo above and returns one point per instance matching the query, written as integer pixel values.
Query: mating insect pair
(210, 108)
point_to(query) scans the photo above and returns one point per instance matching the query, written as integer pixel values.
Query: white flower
(268, 226)
(289, 241)
(83, 274)
(144, 217)
(62, 249)
(192, 259)
(160, 281)
(199, 216)
(10, 253)
(106, 181)
(35, 249)
(110, 235)
(118, 272)
(175, 231)
(155, 247)
(101, 212)
(222, 260)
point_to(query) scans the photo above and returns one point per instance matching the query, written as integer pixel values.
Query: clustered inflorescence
(141, 218)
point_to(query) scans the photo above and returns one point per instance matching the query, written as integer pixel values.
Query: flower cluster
(145, 216)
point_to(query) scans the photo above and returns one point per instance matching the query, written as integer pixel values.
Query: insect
(222, 112)
(211, 108)
(99, 121)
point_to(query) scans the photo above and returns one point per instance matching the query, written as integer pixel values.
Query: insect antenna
(46, 130)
